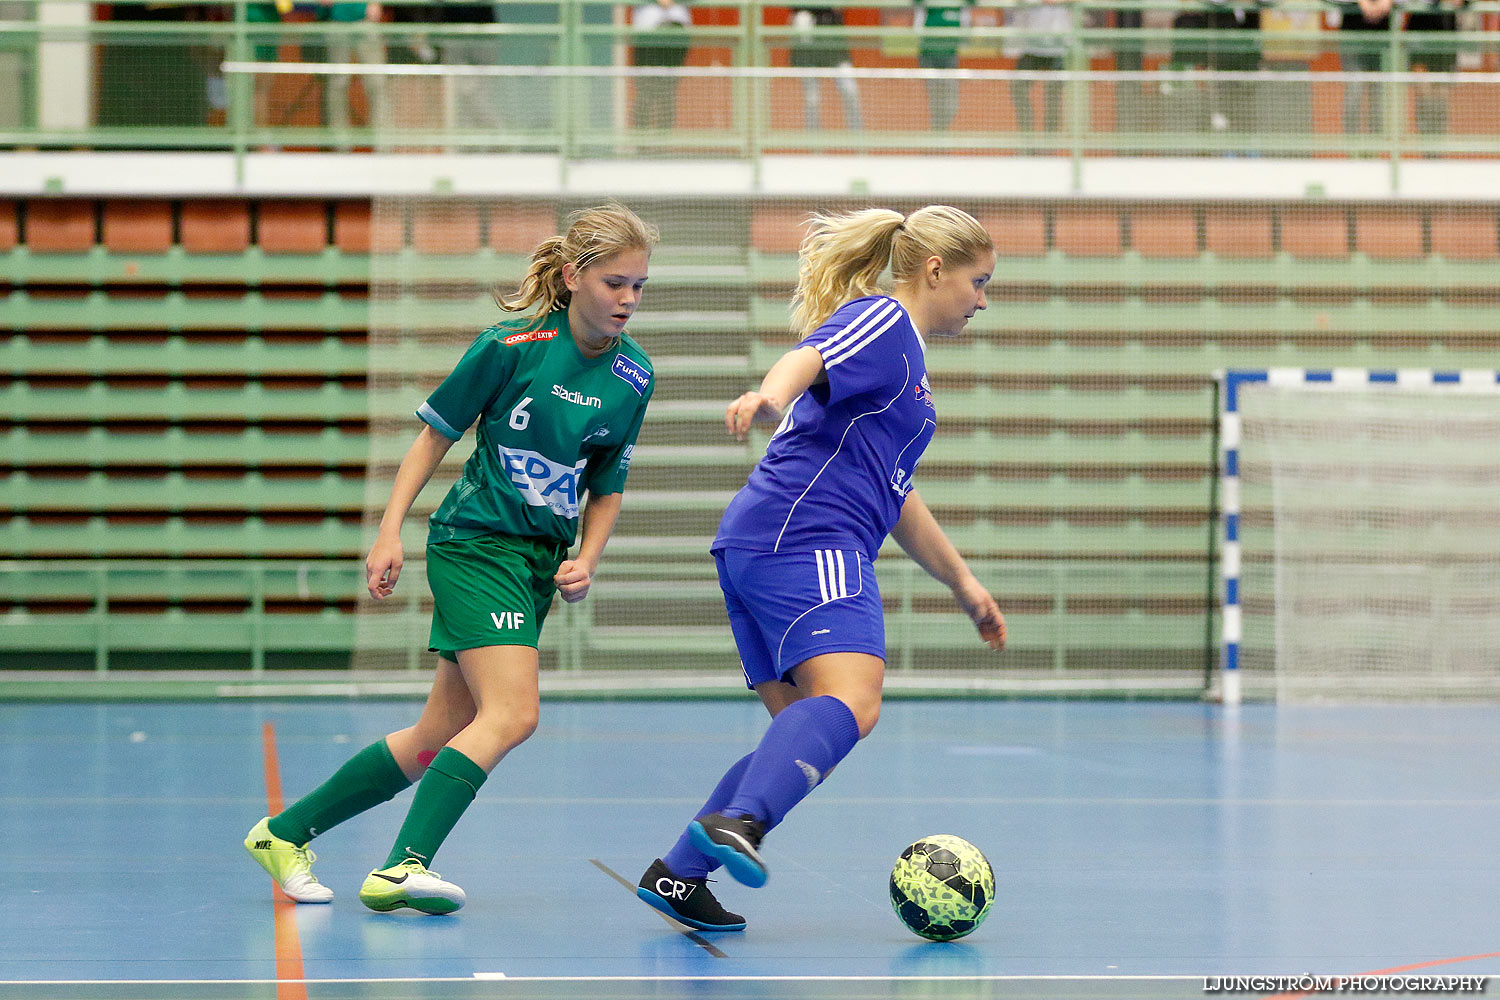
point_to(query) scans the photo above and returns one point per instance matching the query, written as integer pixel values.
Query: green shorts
(494, 590)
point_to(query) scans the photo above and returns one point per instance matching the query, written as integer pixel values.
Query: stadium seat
(1388, 233)
(445, 226)
(1464, 233)
(778, 228)
(517, 227)
(1164, 233)
(1315, 233)
(1018, 231)
(137, 226)
(1087, 232)
(10, 228)
(351, 226)
(215, 226)
(60, 225)
(1238, 232)
(292, 226)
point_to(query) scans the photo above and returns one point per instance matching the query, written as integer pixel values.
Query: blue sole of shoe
(653, 900)
(745, 869)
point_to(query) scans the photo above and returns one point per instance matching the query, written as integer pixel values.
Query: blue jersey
(838, 468)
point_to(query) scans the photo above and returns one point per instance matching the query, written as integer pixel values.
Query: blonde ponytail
(843, 256)
(592, 235)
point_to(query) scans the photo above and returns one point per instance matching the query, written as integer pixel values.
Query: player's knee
(515, 726)
(865, 708)
(866, 716)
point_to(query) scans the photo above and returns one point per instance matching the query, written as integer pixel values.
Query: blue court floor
(1138, 848)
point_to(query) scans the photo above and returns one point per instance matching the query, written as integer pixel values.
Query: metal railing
(558, 77)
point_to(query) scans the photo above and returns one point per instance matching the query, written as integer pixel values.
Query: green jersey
(551, 424)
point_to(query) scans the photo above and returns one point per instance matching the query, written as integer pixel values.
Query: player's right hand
(383, 567)
(746, 410)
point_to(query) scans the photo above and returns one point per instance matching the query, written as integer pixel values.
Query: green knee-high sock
(367, 779)
(445, 791)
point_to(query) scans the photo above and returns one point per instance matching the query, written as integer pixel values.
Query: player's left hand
(982, 611)
(573, 579)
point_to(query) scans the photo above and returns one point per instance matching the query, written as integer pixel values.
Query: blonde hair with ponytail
(592, 235)
(843, 256)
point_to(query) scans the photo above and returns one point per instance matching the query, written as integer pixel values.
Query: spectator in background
(1048, 24)
(941, 53)
(361, 46)
(661, 39)
(1236, 109)
(1128, 59)
(1284, 52)
(1362, 46)
(1433, 55)
(1218, 104)
(812, 50)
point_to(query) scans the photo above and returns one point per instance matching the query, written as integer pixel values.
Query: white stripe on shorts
(832, 581)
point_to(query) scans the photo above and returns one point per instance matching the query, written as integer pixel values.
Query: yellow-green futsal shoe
(410, 884)
(289, 866)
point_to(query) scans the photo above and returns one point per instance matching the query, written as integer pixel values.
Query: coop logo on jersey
(576, 397)
(543, 482)
(924, 392)
(637, 377)
(529, 335)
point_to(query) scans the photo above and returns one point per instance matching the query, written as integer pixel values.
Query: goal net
(1362, 552)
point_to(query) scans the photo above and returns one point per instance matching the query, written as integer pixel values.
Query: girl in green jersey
(556, 398)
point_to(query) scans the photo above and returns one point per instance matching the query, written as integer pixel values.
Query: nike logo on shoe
(262, 845)
(388, 878)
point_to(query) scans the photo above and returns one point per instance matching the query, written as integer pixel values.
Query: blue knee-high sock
(803, 744)
(686, 861)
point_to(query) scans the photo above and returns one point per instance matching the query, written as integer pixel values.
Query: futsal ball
(942, 887)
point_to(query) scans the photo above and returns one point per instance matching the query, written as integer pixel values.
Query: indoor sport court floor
(1138, 847)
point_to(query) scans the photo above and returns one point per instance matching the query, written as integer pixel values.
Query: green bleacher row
(1073, 461)
(1140, 611)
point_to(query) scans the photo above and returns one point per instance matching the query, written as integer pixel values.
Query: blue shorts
(785, 608)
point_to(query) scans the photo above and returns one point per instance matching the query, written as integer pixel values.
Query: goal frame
(1231, 381)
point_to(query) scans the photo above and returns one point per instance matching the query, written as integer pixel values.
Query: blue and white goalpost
(1361, 534)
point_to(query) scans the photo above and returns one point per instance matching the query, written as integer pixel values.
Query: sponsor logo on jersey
(637, 377)
(924, 392)
(562, 392)
(602, 431)
(543, 482)
(625, 457)
(528, 336)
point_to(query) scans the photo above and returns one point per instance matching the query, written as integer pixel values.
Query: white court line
(833, 979)
(603, 979)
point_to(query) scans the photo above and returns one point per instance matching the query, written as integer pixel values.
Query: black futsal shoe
(686, 899)
(732, 840)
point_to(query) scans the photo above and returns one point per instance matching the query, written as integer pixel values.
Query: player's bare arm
(922, 538)
(575, 575)
(383, 566)
(788, 378)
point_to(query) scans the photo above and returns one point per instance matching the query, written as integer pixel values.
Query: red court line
(1393, 971)
(288, 947)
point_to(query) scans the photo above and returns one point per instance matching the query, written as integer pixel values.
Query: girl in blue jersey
(796, 546)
